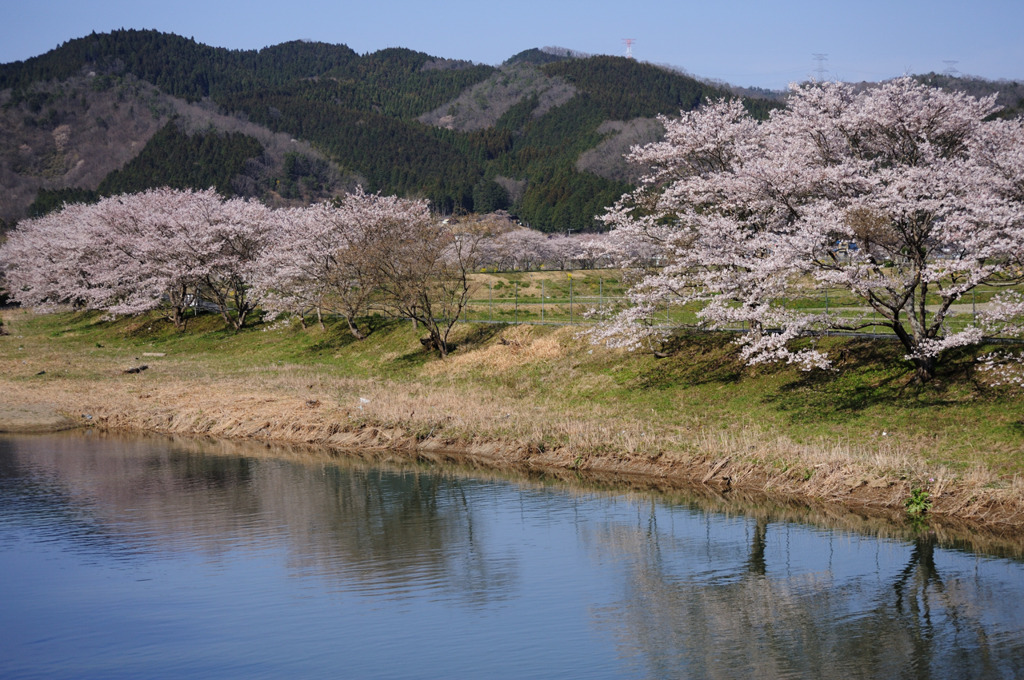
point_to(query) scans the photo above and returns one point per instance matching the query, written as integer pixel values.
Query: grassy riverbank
(862, 435)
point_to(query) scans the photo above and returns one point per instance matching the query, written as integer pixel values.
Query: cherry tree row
(526, 249)
(164, 249)
(905, 196)
(133, 253)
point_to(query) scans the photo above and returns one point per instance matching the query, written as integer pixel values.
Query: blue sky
(765, 44)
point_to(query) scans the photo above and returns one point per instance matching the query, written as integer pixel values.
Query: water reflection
(800, 601)
(412, 571)
(383, 532)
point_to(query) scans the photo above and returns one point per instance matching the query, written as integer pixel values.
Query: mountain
(90, 135)
(542, 135)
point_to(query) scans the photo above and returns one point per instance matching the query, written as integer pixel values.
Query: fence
(565, 305)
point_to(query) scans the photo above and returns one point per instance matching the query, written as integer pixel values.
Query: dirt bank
(236, 411)
(525, 399)
(33, 418)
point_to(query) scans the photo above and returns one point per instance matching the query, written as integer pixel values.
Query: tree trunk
(925, 369)
(354, 330)
(925, 365)
(435, 342)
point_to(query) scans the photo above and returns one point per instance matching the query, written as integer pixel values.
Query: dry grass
(345, 413)
(448, 416)
(515, 346)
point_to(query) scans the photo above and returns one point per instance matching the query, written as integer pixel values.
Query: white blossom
(902, 194)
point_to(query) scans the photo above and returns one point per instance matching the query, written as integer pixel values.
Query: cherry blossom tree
(564, 252)
(133, 253)
(326, 257)
(528, 249)
(229, 238)
(45, 260)
(88, 256)
(291, 276)
(746, 214)
(369, 252)
(364, 224)
(514, 249)
(148, 258)
(592, 251)
(422, 266)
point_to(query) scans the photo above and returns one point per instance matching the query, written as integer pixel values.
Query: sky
(760, 44)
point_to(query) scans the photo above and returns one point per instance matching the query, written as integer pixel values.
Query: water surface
(146, 557)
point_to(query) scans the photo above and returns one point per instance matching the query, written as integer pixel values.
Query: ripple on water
(136, 557)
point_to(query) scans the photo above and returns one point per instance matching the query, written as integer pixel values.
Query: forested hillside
(74, 139)
(172, 158)
(1009, 94)
(541, 135)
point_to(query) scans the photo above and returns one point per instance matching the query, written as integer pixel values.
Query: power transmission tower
(951, 67)
(629, 46)
(821, 58)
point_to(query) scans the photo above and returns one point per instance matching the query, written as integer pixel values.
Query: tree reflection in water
(685, 590)
(394, 532)
(362, 528)
(728, 606)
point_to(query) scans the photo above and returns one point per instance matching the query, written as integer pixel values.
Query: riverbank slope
(543, 398)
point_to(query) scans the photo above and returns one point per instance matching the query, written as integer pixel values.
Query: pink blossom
(746, 214)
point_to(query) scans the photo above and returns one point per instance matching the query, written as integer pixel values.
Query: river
(132, 557)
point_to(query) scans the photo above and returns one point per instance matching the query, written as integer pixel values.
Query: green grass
(207, 343)
(869, 400)
(562, 297)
